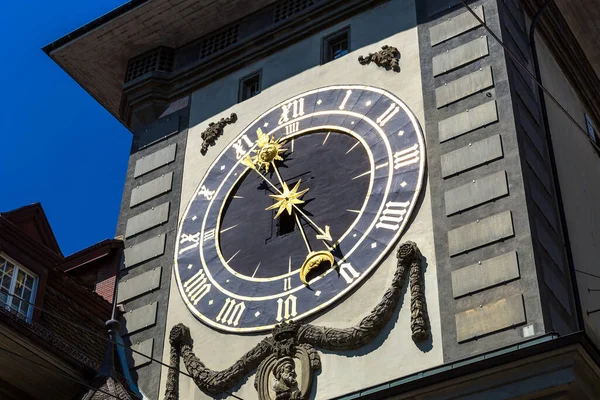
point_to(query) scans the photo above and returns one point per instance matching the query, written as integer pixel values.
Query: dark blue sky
(59, 146)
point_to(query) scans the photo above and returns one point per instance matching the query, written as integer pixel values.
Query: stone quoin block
(139, 318)
(471, 156)
(456, 25)
(467, 121)
(147, 220)
(477, 192)
(151, 189)
(485, 274)
(146, 347)
(490, 318)
(144, 251)
(144, 283)
(460, 56)
(464, 87)
(155, 160)
(480, 233)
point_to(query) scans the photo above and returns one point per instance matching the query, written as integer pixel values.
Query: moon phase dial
(299, 208)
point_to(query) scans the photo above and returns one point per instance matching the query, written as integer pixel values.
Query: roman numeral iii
(231, 312)
(196, 287)
(406, 157)
(393, 215)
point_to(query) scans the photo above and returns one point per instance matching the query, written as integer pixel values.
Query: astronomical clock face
(299, 208)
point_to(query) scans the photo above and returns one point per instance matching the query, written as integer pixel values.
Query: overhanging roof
(96, 54)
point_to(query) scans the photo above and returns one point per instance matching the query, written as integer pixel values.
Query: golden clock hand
(323, 234)
(303, 233)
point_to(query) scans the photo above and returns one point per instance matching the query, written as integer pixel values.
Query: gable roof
(33, 221)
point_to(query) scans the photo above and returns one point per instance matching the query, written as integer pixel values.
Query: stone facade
(493, 221)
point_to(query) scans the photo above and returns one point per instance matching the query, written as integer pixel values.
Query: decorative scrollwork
(292, 344)
(214, 130)
(388, 57)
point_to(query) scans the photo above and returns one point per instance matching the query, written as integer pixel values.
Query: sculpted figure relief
(214, 130)
(286, 385)
(293, 343)
(388, 57)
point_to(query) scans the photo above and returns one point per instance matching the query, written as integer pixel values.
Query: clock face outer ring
(222, 299)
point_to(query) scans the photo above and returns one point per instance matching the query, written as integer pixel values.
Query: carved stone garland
(388, 57)
(214, 130)
(291, 344)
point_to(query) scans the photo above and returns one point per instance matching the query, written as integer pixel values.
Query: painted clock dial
(299, 208)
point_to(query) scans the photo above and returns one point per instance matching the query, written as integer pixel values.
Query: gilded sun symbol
(269, 150)
(287, 199)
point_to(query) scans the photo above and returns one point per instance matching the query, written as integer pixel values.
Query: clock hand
(314, 259)
(303, 234)
(287, 200)
(323, 234)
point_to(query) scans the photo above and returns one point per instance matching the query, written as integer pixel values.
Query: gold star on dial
(287, 199)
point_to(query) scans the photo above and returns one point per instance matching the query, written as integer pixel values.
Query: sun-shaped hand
(268, 151)
(287, 199)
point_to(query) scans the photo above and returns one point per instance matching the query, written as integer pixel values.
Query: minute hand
(323, 234)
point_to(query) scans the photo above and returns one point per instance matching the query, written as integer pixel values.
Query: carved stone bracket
(214, 130)
(388, 57)
(291, 348)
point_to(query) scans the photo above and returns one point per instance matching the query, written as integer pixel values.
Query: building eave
(96, 55)
(77, 33)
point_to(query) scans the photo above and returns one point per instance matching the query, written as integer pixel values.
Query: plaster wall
(293, 70)
(578, 168)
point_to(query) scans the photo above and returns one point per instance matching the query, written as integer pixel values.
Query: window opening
(250, 86)
(17, 289)
(336, 45)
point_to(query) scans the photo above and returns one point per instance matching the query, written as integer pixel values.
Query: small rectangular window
(17, 289)
(336, 45)
(590, 128)
(250, 86)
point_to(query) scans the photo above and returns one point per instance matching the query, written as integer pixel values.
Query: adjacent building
(446, 247)
(52, 310)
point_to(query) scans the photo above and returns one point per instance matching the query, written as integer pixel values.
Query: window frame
(326, 44)
(242, 86)
(11, 291)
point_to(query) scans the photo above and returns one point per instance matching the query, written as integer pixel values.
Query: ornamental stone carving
(291, 348)
(214, 130)
(388, 57)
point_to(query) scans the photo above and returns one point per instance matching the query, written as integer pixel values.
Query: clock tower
(350, 198)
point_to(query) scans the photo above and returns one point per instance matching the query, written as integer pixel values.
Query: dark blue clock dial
(360, 153)
(332, 166)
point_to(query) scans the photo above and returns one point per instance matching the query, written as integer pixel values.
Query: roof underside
(97, 58)
(97, 54)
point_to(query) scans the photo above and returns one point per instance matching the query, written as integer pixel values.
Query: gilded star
(287, 199)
